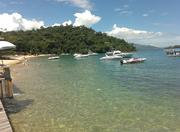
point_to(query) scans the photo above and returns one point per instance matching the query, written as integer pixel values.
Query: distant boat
(119, 53)
(110, 57)
(92, 53)
(65, 54)
(53, 57)
(76, 55)
(173, 52)
(133, 60)
(116, 55)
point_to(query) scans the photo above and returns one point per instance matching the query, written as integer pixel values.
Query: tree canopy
(64, 39)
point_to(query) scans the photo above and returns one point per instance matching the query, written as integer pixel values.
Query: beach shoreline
(17, 59)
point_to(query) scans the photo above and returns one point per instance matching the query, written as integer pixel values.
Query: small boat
(65, 54)
(126, 55)
(119, 53)
(53, 57)
(173, 52)
(80, 55)
(111, 57)
(133, 60)
(90, 53)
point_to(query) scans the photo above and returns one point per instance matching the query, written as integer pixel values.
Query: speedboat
(133, 60)
(80, 55)
(91, 53)
(119, 53)
(53, 57)
(111, 57)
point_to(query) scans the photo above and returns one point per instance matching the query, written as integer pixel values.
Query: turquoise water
(89, 95)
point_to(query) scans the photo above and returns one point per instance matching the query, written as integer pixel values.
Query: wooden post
(8, 82)
(1, 89)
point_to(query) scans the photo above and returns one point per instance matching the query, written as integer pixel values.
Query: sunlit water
(89, 95)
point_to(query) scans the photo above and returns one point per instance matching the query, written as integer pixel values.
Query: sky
(147, 22)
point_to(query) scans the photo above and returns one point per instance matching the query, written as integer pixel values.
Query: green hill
(64, 39)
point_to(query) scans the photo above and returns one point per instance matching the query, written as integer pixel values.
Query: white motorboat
(110, 57)
(65, 54)
(173, 52)
(133, 60)
(80, 55)
(53, 57)
(119, 53)
(92, 53)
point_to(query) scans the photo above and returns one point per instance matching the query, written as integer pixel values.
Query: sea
(93, 95)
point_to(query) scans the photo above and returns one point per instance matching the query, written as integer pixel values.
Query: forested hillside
(64, 39)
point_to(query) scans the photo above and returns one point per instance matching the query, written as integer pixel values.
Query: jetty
(6, 91)
(4, 121)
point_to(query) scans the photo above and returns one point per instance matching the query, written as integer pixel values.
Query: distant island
(64, 39)
(140, 47)
(172, 47)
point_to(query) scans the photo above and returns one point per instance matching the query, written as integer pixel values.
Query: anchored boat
(116, 55)
(80, 55)
(53, 57)
(173, 52)
(133, 60)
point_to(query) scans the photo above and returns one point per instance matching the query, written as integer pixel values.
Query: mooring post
(1, 88)
(8, 82)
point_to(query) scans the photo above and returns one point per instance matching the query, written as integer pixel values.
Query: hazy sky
(154, 22)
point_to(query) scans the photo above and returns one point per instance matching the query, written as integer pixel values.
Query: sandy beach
(16, 59)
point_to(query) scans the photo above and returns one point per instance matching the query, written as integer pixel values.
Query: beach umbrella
(4, 45)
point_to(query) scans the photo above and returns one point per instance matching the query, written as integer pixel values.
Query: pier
(4, 121)
(6, 91)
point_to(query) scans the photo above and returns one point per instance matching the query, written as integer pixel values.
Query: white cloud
(56, 24)
(86, 18)
(124, 10)
(126, 6)
(14, 22)
(118, 9)
(127, 13)
(145, 15)
(158, 39)
(69, 22)
(85, 4)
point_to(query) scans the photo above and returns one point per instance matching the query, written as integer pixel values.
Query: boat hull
(133, 60)
(111, 57)
(53, 58)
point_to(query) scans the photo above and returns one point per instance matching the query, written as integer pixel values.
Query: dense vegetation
(64, 39)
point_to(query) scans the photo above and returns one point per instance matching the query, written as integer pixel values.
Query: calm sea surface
(89, 95)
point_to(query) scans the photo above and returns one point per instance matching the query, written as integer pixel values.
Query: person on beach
(25, 61)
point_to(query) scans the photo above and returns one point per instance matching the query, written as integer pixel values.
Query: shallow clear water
(90, 95)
